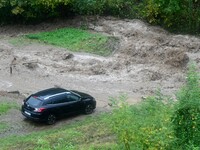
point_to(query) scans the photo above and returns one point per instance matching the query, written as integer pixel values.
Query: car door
(61, 106)
(74, 103)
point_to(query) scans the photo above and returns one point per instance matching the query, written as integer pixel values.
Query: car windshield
(34, 101)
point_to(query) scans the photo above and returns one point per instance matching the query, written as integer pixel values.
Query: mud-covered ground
(144, 59)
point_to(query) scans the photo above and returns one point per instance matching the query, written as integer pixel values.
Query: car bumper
(33, 116)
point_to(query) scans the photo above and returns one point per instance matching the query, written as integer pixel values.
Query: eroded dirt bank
(146, 58)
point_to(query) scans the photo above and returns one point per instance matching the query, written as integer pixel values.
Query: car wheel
(88, 109)
(51, 119)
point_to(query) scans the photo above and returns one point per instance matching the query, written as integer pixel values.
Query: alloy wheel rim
(89, 109)
(51, 119)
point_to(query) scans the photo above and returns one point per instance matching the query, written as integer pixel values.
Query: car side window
(47, 102)
(72, 98)
(59, 99)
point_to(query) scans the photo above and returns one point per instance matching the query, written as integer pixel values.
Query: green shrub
(143, 126)
(124, 8)
(119, 8)
(187, 117)
(174, 15)
(15, 10)
(179, 15)
(88, 7)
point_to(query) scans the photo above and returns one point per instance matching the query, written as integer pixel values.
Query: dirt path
(146, 58)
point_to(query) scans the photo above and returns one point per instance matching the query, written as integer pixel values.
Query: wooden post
(13, 63)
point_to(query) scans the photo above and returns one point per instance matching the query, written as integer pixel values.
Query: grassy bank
(92, 133)
(77, 40)
(6, 106)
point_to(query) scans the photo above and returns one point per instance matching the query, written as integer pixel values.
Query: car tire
(88, 109)
(51, 119)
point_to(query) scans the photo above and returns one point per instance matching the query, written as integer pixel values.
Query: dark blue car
(50, 104)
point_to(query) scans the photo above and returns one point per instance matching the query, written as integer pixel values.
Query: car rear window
(34, 101)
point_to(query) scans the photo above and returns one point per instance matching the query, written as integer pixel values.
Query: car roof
(45, 94)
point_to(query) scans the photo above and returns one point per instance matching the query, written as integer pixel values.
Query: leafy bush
(183, 15)
(88, 7)
(187, 117)
(124, 8)
(16, 10)
(143, 126)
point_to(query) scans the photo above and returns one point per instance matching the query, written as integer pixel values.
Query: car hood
(83, 95)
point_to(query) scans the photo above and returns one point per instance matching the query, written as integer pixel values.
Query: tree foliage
(13, 10)
(181, 15)
(187, 117)
(88, 7)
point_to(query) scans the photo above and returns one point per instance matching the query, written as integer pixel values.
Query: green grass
(5, 107)
(89, 134)
(3, 127)
(77, 40)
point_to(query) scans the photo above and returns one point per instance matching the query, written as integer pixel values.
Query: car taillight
(39, 109)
